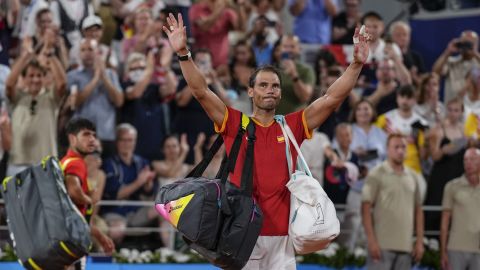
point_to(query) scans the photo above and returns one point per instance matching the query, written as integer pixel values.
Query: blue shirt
(97, 108)
(313, 24)
(263, 56)
(120, 174)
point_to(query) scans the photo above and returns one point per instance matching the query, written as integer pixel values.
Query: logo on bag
(320, 220)
(172, 210)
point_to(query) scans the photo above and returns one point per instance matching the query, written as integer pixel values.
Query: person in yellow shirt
(406, 121)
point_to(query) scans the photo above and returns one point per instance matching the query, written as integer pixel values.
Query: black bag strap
(247, 172)
(202, 165)
(228, 163)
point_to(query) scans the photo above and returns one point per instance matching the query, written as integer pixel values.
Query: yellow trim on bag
(245, 121)
(44, 162)
(34, 265)
(5, 182)
(62, 244)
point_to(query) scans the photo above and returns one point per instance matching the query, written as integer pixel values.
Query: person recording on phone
(297, 78)
(456, 61)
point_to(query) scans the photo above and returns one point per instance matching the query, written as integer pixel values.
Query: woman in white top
(368, 141)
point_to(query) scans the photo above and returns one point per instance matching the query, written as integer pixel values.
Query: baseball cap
(90, 21)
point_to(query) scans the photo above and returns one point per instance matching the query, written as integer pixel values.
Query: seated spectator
(344, 23)
(99, 93)
(212, 20)
(92, 28)
(297, 78)
(145, 106)
(35, 104)
(129, 177)
(456, 67)
(69, 14)
(313, 20)
(429, 106)
(190, 118)
(401, 33)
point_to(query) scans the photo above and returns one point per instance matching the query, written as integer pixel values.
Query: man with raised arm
(274, 249)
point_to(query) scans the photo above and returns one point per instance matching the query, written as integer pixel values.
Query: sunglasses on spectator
(33, 107)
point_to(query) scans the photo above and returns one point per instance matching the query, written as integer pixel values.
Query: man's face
(396, 150)
(472, 38)
(405, 103)
(290, 45)
(471, 162)
(94, 32)
(375, 28)
(344, 137)
(401, 36)
(84, 142)
(126, 142)
(88, 49)
(266, 92)
(142, 20)
(386, 71)
(34, 79)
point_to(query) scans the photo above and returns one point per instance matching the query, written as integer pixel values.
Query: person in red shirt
(273, 249)
(82, 141)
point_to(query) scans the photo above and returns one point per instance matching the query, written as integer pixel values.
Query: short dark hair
(75, 125)
(371, 15)
(266, 68)
(34, 64)
(406, 91)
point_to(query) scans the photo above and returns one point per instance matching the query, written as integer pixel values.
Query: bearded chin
(81, 152)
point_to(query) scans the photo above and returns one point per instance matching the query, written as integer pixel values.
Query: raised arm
(210, 102)
(320, 109)
(12, 78)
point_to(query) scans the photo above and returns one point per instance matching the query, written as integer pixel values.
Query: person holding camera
(297, 78)
(456, 61)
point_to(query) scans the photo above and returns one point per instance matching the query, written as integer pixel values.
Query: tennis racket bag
(46, 228)
(224, 221)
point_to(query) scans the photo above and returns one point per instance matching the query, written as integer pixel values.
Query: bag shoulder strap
(228, 163)
(247, 171)
(301, 163)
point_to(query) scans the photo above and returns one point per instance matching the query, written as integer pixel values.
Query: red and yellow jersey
(270, 169)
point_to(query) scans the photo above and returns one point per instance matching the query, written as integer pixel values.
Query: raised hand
(360, 46)
(177, 34)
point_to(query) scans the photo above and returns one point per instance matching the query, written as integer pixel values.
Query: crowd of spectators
(110, 62)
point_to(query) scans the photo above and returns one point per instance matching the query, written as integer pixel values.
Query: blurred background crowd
(110, 62)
